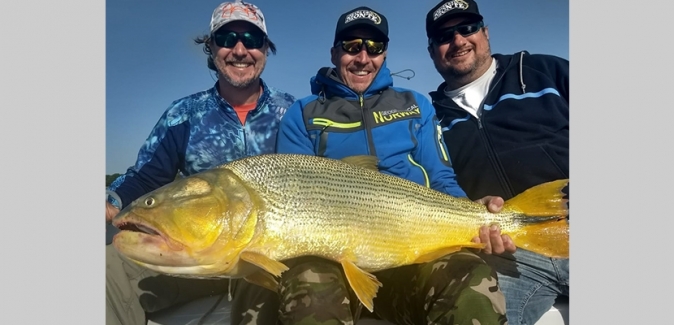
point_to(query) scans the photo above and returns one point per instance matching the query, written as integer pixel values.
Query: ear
(334, 55)
(430, 48)
(486, 31)
(210, 46)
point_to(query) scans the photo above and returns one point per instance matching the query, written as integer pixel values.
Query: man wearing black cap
(355, 110)
(512, 112)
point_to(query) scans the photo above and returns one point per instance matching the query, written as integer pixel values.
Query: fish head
(196, 226)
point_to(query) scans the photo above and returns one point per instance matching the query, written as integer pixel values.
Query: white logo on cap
(363, 14)
(454, 4)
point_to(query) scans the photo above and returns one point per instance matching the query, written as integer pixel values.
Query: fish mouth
(132, 225)
(137, 227)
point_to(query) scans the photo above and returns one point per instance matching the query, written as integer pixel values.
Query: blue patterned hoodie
(196, 133)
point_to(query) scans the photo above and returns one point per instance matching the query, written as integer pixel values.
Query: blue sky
(151, 58)
(57, 84)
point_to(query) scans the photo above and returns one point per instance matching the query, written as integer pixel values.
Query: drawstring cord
(524, 86)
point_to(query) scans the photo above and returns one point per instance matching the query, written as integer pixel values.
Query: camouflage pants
(459, 288)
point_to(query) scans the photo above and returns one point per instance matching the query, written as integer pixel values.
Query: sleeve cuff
(114, 199)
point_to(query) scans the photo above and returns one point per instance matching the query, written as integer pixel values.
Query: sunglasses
(354, 46)
(228, 39)
(447, 35)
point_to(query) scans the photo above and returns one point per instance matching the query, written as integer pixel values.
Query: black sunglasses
(228, 39)
(354, 46)
(447, 35)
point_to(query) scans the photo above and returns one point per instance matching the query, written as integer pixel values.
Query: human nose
(239, 49)
(458, 40)
(362, 56)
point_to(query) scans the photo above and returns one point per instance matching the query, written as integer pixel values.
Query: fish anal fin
(436, 254)
(264, 262)
(543, 200)
(364, 161)
(263, 279)
(364, 284)
(550, 239)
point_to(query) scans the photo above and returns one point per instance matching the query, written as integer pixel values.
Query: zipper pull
(440, 144)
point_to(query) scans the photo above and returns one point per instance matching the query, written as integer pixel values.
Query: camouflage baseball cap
(228, 12)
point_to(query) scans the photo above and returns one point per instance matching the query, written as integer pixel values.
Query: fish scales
(328, 207)
(252, 214)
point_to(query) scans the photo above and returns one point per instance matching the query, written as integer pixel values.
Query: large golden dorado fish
(242, 219)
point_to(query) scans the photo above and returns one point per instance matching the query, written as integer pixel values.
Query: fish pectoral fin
(365, 161)
(436, 254)
(364, 284)
(263, 279)
(264, 262)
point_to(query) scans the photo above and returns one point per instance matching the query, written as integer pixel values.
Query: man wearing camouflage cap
(237, 117)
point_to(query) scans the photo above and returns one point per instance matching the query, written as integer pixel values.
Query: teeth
(460, 53)
(240, 65)
(359, 73)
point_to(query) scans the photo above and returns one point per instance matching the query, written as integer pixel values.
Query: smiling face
(464, 58)
(239, 66)
(358, 70)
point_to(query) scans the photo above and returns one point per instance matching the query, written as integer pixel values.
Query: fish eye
(149, 201)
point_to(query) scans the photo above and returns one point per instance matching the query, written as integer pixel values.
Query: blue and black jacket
(396, 125)
(199, 132)
(521, 138)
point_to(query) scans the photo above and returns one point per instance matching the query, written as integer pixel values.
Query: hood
(326, 82)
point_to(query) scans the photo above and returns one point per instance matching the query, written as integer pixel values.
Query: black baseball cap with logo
(448, 9)
(362, 17)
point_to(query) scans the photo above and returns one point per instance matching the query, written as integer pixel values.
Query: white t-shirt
(470, 96)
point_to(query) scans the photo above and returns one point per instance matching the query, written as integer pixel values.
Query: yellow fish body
(242, 219)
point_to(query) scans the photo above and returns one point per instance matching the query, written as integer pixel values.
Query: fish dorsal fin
(263, 279)
(264, 262)
(364, 284)
(365, 161)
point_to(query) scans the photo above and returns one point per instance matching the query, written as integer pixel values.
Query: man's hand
(494, 203)
(491, 235)
(110, 211)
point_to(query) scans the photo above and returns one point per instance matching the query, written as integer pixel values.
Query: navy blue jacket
(396, 125)
(522, 136)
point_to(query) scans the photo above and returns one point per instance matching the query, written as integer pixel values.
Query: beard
(465, 72)
(236, 81)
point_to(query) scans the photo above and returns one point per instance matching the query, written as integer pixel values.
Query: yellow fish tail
(543, 211)
(543, 200)
(550, 239)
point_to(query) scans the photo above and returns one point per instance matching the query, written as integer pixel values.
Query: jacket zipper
(368, 132)
(323, 135)
(500, 173)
